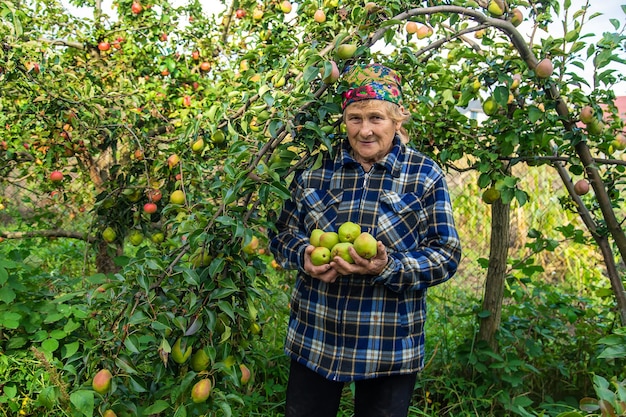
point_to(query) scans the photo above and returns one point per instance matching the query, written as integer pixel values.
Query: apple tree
(169, 135)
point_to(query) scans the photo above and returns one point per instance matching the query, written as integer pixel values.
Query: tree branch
(48, 233)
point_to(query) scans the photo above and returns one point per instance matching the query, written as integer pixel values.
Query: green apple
(320, 256)
(197, 146)
(348, 231)
(109, 234)
(496, 7)
(331, 76)
(314, 238)
(200, 360)
(341, 249)
(345, 51)
(181, 351)
(595, 127)
(366, 245)
(619, 143)
(491, 195)
(329, 239)
(177, 197)
(517, 17)
(490, 106)
(135, 237)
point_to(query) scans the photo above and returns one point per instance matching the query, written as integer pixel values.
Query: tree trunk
(494, 285)
(104, 261)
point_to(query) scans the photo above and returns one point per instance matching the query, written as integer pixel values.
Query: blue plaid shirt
(365, 326)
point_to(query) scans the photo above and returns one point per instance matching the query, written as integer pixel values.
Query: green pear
(348, 231)
(201, 391)
(180, 351)
(341, 249)
(102, 381)
(329, 239)
(200, 360)
(366, 245)
(320, 256)
(345, 51)
(314, 237)
(496, 7)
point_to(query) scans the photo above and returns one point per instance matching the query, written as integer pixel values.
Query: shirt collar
(392, 162)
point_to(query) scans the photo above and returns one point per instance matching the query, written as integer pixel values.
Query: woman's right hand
(324, 272)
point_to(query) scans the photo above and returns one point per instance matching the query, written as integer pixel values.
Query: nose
(366, 129)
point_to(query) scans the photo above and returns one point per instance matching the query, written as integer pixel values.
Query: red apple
(544, 68)
(154, 195)
(163, 37)
(56, 176)
(173, 160)
(136, 8)
(205, 66)
(240, 13)
(104, 46)
(581, 187)
(150, 208)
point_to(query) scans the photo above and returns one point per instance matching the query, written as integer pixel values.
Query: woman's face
(370, 130)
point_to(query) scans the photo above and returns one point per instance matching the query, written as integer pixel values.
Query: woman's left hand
(362, 266)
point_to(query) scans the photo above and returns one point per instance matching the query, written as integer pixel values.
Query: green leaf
(9, 320)
(83, 400)
(70, 349)
(156, 408)
(7, 295)
(4, 275)
(181, 411)
(534, 114)
(310, 73)
(50, 345)
(10, 391)
(217, 266)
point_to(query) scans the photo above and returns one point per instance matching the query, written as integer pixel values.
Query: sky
(608, 8)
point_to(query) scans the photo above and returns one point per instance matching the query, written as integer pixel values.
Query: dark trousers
(311, 395)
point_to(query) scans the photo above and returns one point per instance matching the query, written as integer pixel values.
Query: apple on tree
(56, 176)
(104, 46)
(285, 6)
(136, 7)
(101, 382)
(319, 16)
(201, 391)
(544, 68)
(581, 187)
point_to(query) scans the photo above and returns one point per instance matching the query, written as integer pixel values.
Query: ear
(399, 123)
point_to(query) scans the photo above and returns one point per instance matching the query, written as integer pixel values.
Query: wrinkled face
(370, 129)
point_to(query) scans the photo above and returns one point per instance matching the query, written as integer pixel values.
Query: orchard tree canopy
(165, 136)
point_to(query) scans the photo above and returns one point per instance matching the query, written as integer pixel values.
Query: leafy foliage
(157, 99)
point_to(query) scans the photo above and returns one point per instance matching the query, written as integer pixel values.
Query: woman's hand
(323, 272)
(338, 266)
(362, 266)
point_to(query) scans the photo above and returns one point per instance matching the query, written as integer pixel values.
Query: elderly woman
(363, 322)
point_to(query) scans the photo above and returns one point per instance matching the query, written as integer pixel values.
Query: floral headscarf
(371, 82)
